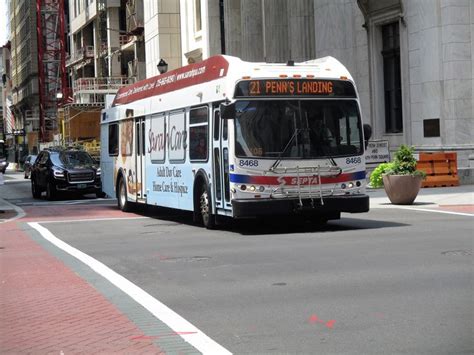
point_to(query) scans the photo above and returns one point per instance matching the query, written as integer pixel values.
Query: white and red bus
(224, 137)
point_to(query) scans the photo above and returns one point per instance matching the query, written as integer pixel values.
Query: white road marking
(436, 211)
(181, 326)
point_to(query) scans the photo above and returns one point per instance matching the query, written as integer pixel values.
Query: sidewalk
(456, 199)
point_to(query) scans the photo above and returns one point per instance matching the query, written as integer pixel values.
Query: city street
(394, 280)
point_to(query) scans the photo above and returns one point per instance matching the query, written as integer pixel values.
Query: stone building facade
(412, 60)
(429, 45)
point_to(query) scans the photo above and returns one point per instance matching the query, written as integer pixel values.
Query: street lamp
(162, 66)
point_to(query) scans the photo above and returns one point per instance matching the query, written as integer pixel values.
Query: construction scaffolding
(52, 76)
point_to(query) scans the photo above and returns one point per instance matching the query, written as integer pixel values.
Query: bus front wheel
(208, 219)
(123, 203)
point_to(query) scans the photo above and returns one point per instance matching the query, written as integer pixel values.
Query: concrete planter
(402, 189)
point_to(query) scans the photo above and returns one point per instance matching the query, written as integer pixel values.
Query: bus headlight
(252, 188)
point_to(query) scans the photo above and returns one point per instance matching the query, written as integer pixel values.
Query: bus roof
(221, 66)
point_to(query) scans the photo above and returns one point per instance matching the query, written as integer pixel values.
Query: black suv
(65, 170)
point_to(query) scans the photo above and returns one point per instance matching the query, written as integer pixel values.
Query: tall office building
(8, 122)
(24, 75)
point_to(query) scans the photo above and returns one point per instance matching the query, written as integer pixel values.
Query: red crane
(52, 75)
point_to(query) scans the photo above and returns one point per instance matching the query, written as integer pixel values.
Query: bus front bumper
(290, 206)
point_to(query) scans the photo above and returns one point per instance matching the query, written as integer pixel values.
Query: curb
(7, 206)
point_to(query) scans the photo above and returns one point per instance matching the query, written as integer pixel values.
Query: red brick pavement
(68, 212)
(46, 308)
(458, 208)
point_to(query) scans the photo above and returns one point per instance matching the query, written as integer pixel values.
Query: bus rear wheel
(207, 218)
(123, 203)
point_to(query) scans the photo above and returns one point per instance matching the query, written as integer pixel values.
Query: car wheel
(207, 218)
(123, 203)
(50, 191)
(35, 191)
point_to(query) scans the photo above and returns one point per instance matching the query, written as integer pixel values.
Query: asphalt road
(389, 281)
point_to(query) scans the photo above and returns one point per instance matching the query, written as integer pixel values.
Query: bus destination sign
(295, 87)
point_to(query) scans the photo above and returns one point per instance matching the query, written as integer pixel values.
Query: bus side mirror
(367, 134)
(227, 111)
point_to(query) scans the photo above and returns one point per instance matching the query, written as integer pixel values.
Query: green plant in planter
(376, 179)
(404, 163)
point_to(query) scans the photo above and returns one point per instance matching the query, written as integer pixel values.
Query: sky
(3, 22)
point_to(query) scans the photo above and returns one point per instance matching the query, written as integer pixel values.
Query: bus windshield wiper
(280, 156)
(278, 161)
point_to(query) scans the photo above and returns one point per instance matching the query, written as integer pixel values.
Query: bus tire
(122, 202)
(205, 208)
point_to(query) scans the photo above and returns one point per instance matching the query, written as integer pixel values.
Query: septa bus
(224, 137)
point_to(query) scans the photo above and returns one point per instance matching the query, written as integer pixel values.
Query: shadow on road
(267, 226)
(289, 225)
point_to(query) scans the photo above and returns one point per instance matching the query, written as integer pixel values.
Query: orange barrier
(441, 169)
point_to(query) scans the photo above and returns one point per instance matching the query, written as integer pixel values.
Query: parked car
(29, 161)
(65, 170)
(3, 165)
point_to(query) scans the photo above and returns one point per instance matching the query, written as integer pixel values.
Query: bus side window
(198, 133)
(113, 139)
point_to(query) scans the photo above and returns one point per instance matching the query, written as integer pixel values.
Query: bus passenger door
(140, 158)
(220, 152)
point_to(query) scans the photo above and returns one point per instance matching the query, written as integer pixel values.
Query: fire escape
(52, 76)
(132, 43)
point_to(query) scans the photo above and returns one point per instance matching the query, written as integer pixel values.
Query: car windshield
(302, 129)
(73, 159)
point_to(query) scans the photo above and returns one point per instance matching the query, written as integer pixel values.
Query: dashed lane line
(192, 334)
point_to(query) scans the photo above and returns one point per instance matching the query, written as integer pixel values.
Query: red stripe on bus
(193, 74)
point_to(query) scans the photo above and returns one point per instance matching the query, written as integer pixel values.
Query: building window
(197, 16)
(392, 78)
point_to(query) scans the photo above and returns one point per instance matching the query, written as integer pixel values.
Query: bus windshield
(300, 129)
